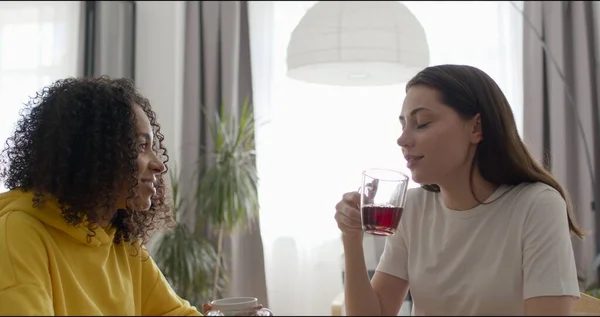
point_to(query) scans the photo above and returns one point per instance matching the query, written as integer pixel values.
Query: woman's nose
(157, 165)
(404, 141)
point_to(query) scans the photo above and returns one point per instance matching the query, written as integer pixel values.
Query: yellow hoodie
(48, 268)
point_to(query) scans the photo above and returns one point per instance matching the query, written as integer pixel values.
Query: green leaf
(227, 191)
(186, 260)
(226, 197)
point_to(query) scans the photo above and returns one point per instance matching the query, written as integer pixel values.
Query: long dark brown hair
(501, 157)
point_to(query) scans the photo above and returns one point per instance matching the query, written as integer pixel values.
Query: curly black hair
(76, 140)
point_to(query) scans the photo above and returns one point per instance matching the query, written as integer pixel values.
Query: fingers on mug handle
(373, 189)
(369, 191)
(349, 216)
(375, 185)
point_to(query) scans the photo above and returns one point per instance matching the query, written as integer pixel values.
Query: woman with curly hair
(85, 171)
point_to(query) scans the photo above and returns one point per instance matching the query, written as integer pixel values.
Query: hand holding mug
(383, 203)
(379, 209)
(348, 209)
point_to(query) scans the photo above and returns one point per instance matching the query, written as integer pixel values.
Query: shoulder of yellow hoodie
(25, 285)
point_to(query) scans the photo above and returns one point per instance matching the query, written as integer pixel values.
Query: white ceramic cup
(234, 303)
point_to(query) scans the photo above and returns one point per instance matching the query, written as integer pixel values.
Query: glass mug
(383, 196)
(237, 306)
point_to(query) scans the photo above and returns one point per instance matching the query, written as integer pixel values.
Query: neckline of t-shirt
(475, 211)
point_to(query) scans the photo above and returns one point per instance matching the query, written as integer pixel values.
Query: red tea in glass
(381, 220)
(382, 200)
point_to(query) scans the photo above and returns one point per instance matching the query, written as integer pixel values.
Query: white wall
(159, 65)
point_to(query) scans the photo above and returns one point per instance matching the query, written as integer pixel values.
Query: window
(38, 45)
(315, 140)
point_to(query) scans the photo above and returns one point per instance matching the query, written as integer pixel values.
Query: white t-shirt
(487, 260)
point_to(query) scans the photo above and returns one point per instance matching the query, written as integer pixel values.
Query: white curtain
(313, 141)
(38, 45)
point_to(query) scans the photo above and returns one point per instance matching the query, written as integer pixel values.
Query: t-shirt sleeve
(548, 260)
(394, 260)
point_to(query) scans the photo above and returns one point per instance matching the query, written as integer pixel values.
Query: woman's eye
(143, 146)
(421, 126)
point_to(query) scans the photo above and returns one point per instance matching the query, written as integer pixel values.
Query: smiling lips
(150, 184)
(411, 160)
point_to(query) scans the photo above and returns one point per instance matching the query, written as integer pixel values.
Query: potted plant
(226, 198)
(186, 259)
(227, 188)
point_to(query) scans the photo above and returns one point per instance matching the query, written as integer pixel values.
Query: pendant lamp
(357, 43)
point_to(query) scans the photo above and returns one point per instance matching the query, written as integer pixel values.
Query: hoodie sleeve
(160, 299)
(24, 279)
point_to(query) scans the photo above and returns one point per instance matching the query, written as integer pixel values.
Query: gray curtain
(108, 39)
(551, 130)
(217, 69)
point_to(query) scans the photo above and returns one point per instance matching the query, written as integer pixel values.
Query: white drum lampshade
(357, 43)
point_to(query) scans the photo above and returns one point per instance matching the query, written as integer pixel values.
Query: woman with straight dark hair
(488, 232)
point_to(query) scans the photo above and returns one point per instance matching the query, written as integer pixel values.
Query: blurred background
(188, 57)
